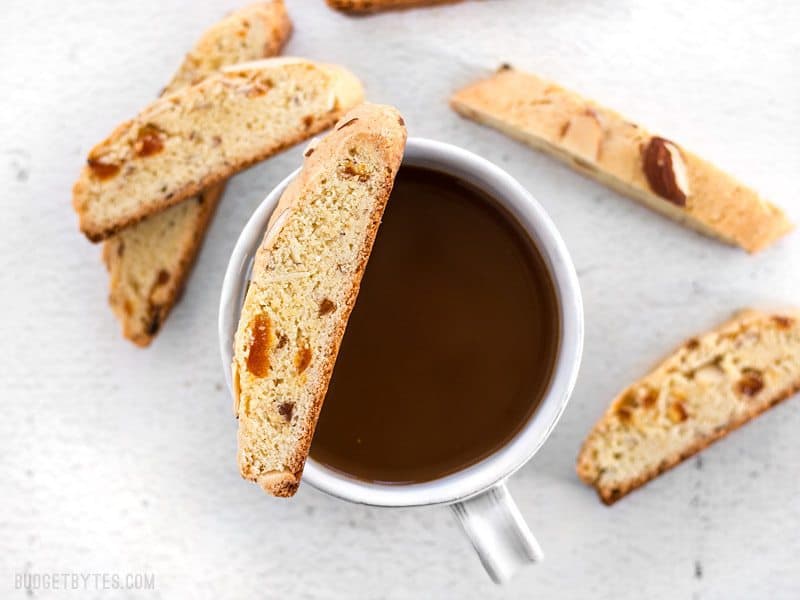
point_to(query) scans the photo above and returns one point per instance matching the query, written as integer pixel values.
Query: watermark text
(79, 580)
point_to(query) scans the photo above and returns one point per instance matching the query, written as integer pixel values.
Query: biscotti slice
(709, 386)
(604, 145)
(371, 6)
(197, 136)
(148, 263)
(305, 279)
(251, 33)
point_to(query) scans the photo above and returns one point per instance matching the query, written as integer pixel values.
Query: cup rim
(497, 467)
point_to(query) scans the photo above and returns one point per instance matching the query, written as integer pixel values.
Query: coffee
(452, 341)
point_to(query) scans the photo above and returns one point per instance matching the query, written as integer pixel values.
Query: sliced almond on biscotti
(305, 279)
(148, 263)
(198, 136)
(371, 6)
(708, 387)
(604, 145)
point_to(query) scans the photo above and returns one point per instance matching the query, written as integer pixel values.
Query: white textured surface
(118, 459)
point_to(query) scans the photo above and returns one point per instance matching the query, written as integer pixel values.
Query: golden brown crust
(138, 256)
(141, 324)
(252, 108)
(745, 327)
(256, 31)
(298, 460)
(282, 484)
(97, 233)
(610, 495)
(372, 6)
(379, 132)
(602, 144)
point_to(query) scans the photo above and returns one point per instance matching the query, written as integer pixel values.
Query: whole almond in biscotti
(372, 6)
(601, 143)
(200, 135)
(305, 279)
(148, 263)
(711, 385)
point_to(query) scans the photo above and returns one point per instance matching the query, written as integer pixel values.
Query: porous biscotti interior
(255, 31)
(710, 385)
(605, 145)
(295, 309)
(148, 262)
(202, 134)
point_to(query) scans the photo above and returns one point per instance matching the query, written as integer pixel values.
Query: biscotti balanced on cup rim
(198, 136)
(148, 263)
(601, 143)
(709, 386)
(305, 280)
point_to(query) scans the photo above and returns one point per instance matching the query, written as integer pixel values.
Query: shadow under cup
(452, 341)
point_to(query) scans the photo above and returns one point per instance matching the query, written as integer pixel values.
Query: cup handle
(498, 532)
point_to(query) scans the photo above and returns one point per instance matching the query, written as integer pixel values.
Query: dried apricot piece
(258, 355)
(149, 141)
(102, 170)
(751, 382)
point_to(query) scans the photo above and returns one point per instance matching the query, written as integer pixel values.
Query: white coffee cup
(477, 494)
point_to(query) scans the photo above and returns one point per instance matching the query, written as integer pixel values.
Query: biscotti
(604, 145)
(371, 6)
(197, 136)
(709, 386)
(148, 263)
(256, 31)
(305, 280)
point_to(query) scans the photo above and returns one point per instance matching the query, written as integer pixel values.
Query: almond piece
(665, 170)
(709, 374)
(582, 136)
